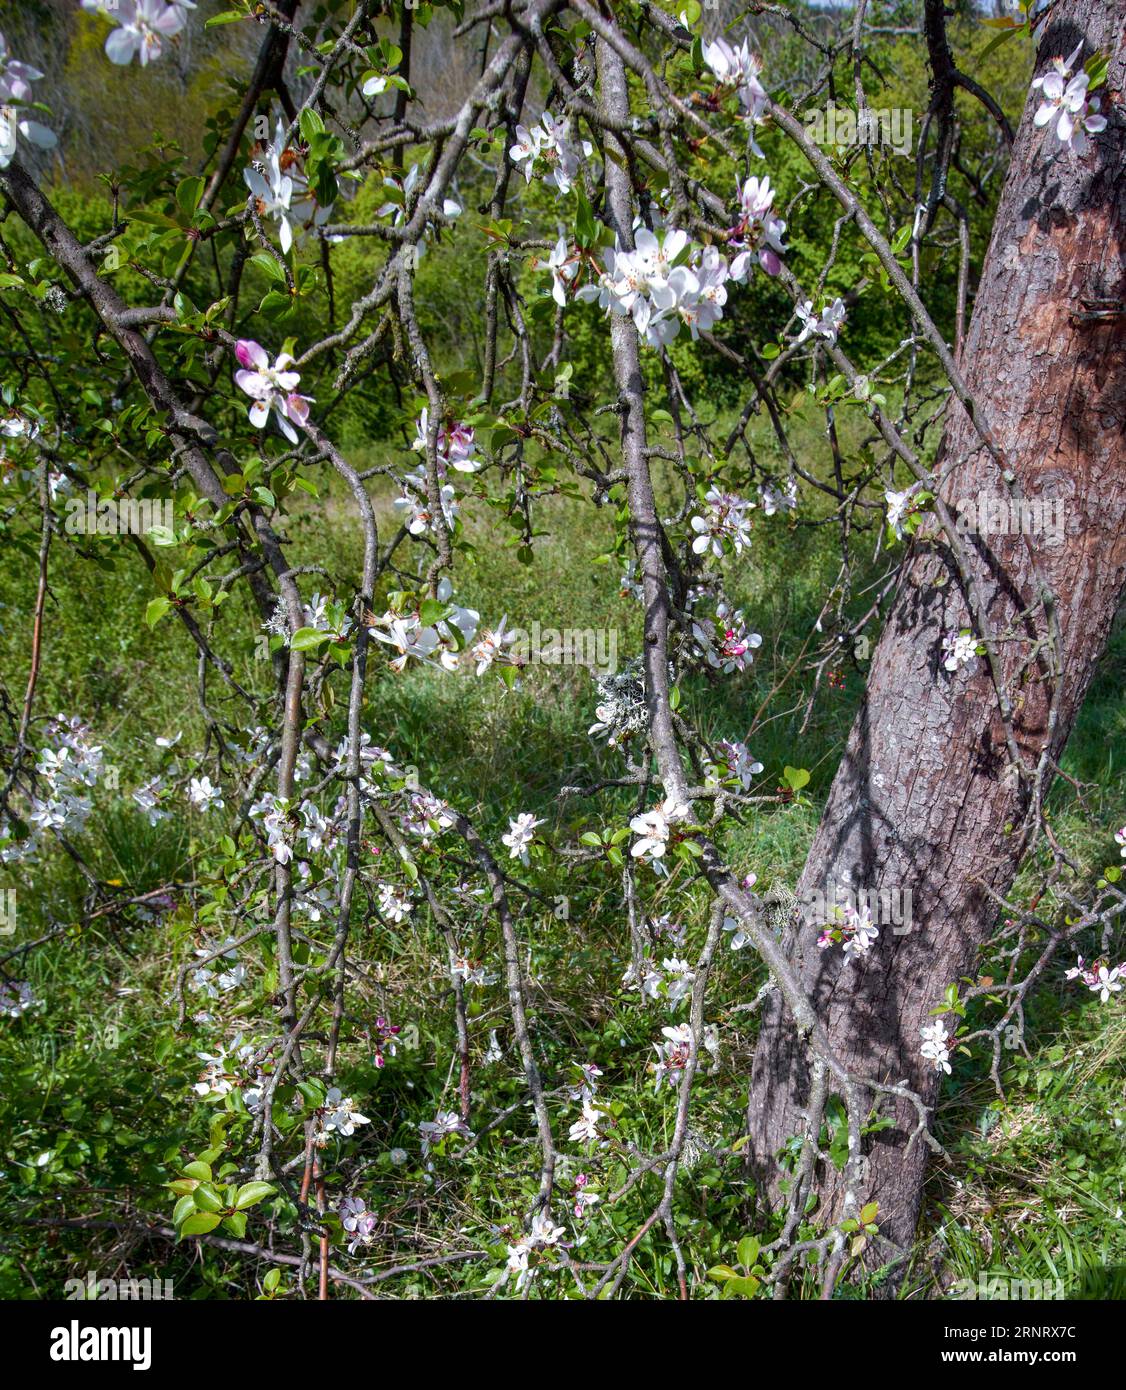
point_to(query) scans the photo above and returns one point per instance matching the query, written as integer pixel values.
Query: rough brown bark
(922, 798)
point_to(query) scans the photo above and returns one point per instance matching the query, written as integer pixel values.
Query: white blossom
(936, 1045)
(521, 833)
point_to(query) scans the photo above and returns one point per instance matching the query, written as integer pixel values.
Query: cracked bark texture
(922, 798)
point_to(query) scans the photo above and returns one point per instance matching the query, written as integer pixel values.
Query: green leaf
(744, 1287)
(306, 638)
(206, 1198)
(200, 1224)
(267, 263)
(188, 194)
(184, 1208)
(156, 609)
(747, 1251)
(200, 1171)
(251, 1193)
(795, 777)
(236, 1224)
(722, 1272)
(310, 125)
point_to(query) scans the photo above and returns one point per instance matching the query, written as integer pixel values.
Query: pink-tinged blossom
(584, 1198)
(384, 1040)
(1100, 977)
(359, 1223)
(444, 1123)
(854, 930)
(271, 388)
(739, 68)
(758, 233)
(1066, 105)
(726, 521)
(15, 89)
(585, 1128)
(673, 1055)
(726, 643)
(1120, 839)
(143, 27)
(455, 445)
(732, 762)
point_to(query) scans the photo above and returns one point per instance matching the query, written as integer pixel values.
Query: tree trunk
(924, 793)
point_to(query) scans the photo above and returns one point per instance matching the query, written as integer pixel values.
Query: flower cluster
(213, 977)
(15, 90)
(654, 829)
(670, 984)
(414, 504)
(779, 499)
(854, 930)
(143, 27)
(236, 1067)
(662, 283)
(585, 1129)
(521, 833)
(455, 446)
(359, 1223)
(338, 1116)
(444, 640)
(724, 641)
(675, 1053)
(737, 68)
(271, 388)
(69, 764)
(725, 524)
(384, 1040)
(757, 235)
(1066, 104)
(401, 193)
(827, 323)
(445, 1122)
(1099, 976)
(393, 906)
(542, 1235)
(550, 143)
(426, 817)
(204, 795)
(585, 1199)
(473, 972)
(936, 1045)
(15, 999)
(958, 649)
(732, 762)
